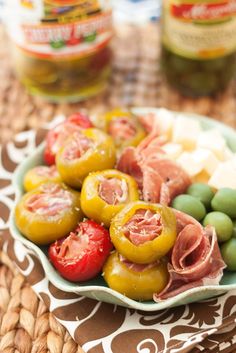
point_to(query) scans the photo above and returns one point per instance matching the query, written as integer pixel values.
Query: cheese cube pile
(197, 161)
(213, 141)
(173, 150)
(203, 154)
(186, 132)
(224, 176)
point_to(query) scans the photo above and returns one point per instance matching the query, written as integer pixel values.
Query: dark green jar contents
(197, 78)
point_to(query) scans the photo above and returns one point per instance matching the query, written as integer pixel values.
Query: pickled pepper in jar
(199, 45)
(61, 47)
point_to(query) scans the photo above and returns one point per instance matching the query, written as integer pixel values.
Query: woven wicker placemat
(25, 324)
(135, 80)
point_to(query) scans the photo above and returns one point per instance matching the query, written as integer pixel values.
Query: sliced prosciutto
(51, 201)
(150, 122)
(172, 175)
(77, 146)
(195, 260)
(159, 178)
(45, 171)
(122, 129)
(130, 163)
(145, 225)
(59, 134)
(113, 190)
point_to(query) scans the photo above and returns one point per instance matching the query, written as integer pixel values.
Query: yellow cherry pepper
(39, 175)
(86, 151)
(105, 193)
(48, 213)
(124, 128)
(134, 281)
(157, 242)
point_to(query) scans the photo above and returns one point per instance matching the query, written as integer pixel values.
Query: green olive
(202, 82)
(213, 65)
(190, 205)
(181, 65)
(201, 191)
(194, 77)
(234, 230)
(228, 252)
(225, 201)
(222, 223)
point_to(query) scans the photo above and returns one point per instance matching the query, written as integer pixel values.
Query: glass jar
(199, 45)
(61, 47)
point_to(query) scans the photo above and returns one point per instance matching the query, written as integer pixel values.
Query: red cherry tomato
(81, 255)
(81, 120)
(57, 136)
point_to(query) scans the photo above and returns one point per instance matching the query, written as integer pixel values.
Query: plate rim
(80, 290)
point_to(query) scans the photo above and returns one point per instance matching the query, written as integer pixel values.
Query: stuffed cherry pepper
(81, 255)
(105, 193)
(57, 136)
(143, 232)
(39, 175)
(86, 151)
(136, 281)
(48, 212)
(124, 128)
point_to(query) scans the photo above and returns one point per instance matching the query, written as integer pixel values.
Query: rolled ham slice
(196, 259)
(130, 163)
(159, 178)
(122, 129)
(145, 225)
(77, 146)
(113, 190)
(51, 201)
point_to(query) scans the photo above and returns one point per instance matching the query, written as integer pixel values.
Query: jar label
(61, 28)
(200, 29)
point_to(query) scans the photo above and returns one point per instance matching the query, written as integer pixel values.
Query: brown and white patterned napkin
(208, 327)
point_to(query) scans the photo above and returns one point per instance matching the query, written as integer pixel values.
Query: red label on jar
(200, 29)
(204, 11)
(44, 34)
(48, 30)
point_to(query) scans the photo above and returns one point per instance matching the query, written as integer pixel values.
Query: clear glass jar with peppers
(198, 45)
(61, 47)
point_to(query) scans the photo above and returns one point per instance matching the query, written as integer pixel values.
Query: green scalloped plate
(97, 288)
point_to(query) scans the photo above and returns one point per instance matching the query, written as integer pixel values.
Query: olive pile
(216, 209)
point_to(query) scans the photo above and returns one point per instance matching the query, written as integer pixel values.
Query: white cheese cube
(228, 154)
(190, 164)
(214, 141)
(164, 119)
(207, 159)
(173, 150)
(224, 175)
(186, 132)
(197, 161)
